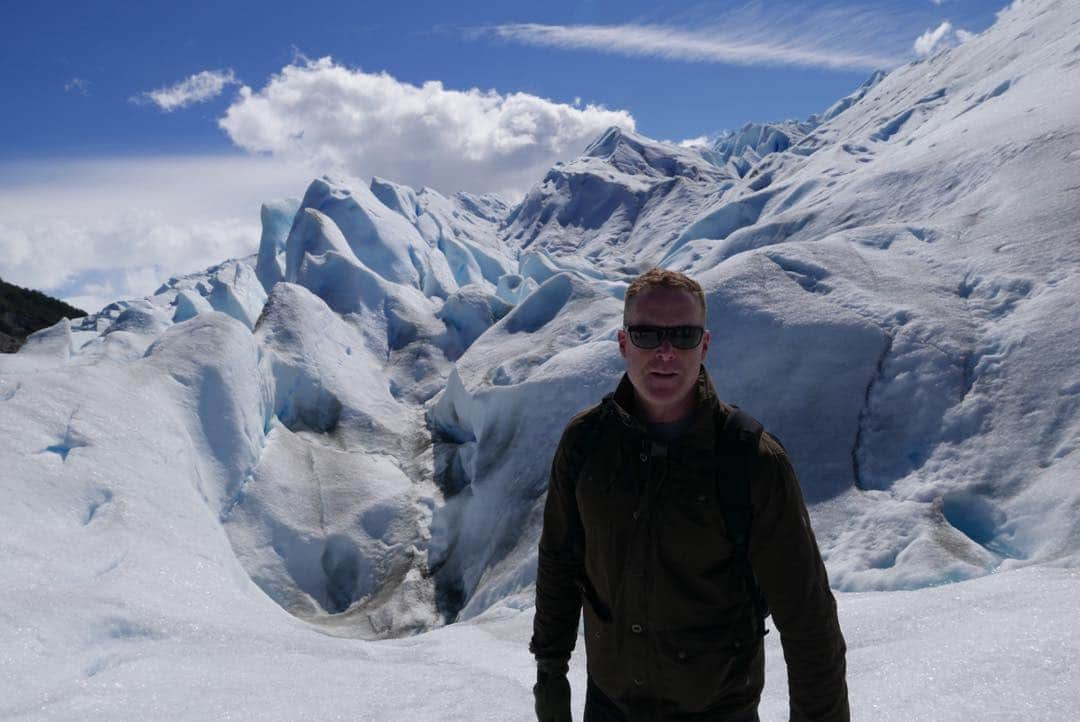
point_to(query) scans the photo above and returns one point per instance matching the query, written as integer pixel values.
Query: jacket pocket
(694, 547)
(606, 508)
(596, 489)
(697, 507)
(705, 667)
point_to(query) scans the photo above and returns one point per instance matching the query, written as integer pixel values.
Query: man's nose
(665, 350)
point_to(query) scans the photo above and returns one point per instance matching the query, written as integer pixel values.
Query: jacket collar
(702, 433)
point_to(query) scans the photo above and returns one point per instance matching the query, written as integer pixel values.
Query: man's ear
(622, 343)
(705, 343)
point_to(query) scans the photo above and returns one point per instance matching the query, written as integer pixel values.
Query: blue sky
(129, 120)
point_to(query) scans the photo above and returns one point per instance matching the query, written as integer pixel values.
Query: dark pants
(598, 708)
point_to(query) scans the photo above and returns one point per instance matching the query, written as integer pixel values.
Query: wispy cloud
(831, 36)
(198, 88)
(77, 85)
(715, 45)
(363, 124)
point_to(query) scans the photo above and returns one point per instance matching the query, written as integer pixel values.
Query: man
(677, 524)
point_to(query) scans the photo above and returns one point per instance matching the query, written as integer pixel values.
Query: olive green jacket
(634, 534)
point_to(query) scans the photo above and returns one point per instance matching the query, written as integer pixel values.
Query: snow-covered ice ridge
(355, 423)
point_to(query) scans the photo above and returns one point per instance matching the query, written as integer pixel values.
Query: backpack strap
(739, 437)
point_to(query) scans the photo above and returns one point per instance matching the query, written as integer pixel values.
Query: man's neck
(665, 414)
(669, 431)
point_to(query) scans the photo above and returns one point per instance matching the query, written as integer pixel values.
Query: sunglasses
(681, 337)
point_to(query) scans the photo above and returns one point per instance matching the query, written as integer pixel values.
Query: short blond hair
(662, 278)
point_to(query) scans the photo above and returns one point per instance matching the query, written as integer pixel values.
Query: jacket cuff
(548, 668)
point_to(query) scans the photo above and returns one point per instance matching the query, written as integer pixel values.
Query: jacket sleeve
(560, 565)
(785, 558)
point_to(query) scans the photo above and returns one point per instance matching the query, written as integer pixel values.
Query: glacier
(308, 483)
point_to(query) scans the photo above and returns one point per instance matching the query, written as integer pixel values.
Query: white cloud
(198, 88)
(942, 36)
(77, 85)
(94, 231)
(702, 141)
(925, 43)
(122, 256)
(365, 124)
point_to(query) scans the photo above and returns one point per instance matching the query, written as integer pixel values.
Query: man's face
(664, 377)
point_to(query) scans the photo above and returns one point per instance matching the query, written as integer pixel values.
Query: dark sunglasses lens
(645, 337)
(681, 337)
(685, 337)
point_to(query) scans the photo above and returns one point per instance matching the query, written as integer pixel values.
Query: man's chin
(670, 384)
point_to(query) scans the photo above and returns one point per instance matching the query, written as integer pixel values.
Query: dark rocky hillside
(23, 311)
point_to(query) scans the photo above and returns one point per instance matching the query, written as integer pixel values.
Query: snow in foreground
(1000, 647)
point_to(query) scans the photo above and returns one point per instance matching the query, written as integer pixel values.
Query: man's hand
(552, 693)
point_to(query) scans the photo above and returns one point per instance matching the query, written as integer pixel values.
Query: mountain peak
(849, 100)
(609, 141)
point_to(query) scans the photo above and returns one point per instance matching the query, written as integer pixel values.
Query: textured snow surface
(266, 489)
